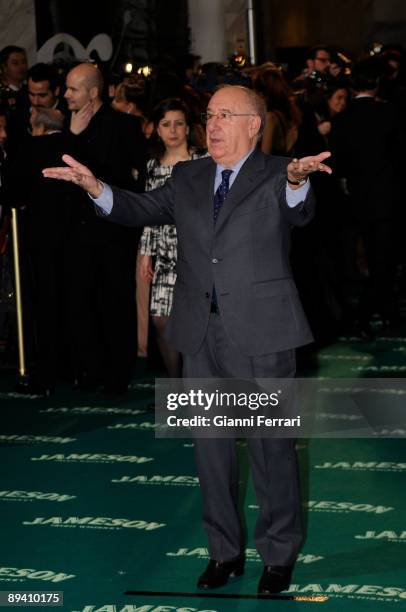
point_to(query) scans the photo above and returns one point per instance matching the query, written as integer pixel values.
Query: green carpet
(93, 505)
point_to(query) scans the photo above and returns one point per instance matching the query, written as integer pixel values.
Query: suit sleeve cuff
(295, 196)
(104, 203)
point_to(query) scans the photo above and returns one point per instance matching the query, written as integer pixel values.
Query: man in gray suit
(236, 310)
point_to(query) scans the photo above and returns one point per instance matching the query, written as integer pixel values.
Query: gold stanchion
(19, 306)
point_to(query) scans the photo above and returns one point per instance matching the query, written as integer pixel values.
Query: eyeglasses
(223, 116)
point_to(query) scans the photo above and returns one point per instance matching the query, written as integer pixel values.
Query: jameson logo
(338, 416)
(382, 368)
(15, 574)
(91, 410)
(375, 466)
(141, 386)
(35, 439)
(250, 553)
(94, 522)
(389, 536)
(139, 608)
(15, 395)
(93, 458)
(336, 506)
(34, 496)
(352, 591)
(169, 480)
(390, 433)
(146, 425)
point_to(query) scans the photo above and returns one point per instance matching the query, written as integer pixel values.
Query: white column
(17, 26)
(207, 26)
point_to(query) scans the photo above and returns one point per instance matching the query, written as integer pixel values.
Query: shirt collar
(236, 167)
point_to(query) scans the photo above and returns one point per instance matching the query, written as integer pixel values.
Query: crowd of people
(90, 287)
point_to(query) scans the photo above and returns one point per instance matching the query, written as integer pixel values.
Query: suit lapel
(245, 182)
(205, 193)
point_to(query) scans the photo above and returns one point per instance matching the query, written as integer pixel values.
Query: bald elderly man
(102, 258)
(236, 311)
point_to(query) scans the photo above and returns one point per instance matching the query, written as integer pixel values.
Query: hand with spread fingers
(76, 173)
(299, 169)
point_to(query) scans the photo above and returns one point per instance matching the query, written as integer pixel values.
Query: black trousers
(50, 313)
(379, 238)
(102, 310)
(278, 531)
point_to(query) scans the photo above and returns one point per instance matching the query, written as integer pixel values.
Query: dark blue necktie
(219, 198)
(221, 192)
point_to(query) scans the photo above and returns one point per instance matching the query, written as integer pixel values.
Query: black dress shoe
(217, 573)
(274, 579)
(86, 383)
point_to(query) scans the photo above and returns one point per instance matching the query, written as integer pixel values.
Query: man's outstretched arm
(118, 205)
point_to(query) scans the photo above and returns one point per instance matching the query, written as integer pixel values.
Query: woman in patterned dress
(172, 127)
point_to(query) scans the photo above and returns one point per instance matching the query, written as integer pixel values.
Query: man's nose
(212, 124)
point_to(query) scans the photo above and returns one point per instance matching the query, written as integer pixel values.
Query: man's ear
(254, 125)
(94, 93)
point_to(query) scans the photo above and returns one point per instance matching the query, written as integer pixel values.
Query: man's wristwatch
(298, 182)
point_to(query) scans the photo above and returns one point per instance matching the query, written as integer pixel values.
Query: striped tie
(221, 192)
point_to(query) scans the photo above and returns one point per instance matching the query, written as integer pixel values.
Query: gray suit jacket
(245, 255)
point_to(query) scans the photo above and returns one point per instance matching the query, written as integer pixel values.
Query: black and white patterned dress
(160, 242)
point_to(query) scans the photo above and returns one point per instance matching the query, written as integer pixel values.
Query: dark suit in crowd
(102, 256)
(368, 148)
(45, 221)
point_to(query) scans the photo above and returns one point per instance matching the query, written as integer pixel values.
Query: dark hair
(334, 86)
(4, 111)
(133, 94)
(365, 75)
(44, 72)
(311, 54)
(7, 51)
(157, 147)
(170, 104)
(322, 109)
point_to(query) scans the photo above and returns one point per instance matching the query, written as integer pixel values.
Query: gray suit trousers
(278, 532)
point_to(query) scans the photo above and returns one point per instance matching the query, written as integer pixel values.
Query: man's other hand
(299, 169)
(78, 174)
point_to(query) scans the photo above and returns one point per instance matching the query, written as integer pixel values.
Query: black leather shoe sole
(217, 573)
(274, 579)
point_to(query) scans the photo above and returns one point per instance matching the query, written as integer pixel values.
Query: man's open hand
(299, 169)
(76, 173)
